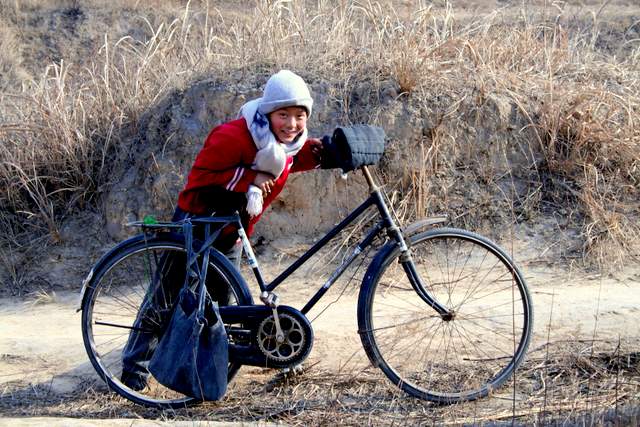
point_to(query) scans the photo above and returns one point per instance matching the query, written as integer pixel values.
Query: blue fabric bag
(192, 356)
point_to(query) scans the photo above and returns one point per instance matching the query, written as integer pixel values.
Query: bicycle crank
(293, 345)
(255, 338)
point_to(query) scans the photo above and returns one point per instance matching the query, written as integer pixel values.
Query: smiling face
(287, 123)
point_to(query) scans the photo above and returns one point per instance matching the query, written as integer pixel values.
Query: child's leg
(155, 310)
(220, 292)
(153, 316)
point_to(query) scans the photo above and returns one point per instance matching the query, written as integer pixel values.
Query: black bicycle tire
(216, 259)
(387, 255)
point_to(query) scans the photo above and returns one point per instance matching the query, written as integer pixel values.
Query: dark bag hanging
(192, 356)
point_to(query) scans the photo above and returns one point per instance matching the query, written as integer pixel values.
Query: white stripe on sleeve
(236, 178)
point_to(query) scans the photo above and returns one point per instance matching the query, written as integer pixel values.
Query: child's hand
(265, 182)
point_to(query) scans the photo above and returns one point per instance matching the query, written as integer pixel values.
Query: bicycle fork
(417, 284)
(405, 252)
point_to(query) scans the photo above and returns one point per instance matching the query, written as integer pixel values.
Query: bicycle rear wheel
(447, 360)
(125, 283)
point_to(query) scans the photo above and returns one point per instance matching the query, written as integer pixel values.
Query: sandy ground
(41, 343)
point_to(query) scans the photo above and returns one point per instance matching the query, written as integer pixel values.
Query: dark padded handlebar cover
(351, 147)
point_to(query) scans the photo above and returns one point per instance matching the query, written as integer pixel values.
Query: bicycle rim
(111, 305)
(461, 359)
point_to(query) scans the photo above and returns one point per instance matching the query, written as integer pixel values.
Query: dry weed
(562, 381)
(489, 98)
(41, 297)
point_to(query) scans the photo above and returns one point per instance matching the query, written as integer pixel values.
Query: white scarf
(272, 154)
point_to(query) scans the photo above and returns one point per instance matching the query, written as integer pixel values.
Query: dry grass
(513, 105)
(41, 297)
(567, 383)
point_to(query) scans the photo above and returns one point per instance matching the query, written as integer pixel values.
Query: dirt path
(41, 344)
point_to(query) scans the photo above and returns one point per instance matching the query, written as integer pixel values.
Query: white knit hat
(285, 89)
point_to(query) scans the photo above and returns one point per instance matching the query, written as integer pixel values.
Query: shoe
(135, 382)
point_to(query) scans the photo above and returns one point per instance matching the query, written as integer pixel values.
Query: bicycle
(443, 312)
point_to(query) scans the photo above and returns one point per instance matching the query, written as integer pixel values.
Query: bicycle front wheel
(128, 300)
(447, 359)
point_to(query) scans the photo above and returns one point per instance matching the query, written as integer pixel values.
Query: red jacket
(221, 173)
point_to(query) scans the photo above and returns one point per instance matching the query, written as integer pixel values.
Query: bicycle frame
(268, 297)
(360, 247)
(386, 223)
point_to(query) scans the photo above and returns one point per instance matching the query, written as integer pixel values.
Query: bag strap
(195, 271)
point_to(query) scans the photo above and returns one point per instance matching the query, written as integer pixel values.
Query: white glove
(254, 201)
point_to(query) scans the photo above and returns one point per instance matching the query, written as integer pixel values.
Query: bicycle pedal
(294, 370)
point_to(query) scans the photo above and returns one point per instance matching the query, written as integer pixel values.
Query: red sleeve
(305, 159)
(222, 163)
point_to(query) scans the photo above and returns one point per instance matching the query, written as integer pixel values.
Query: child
(242, 167)
(245, 163)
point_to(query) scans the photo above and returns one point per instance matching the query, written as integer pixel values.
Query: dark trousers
(155, 311)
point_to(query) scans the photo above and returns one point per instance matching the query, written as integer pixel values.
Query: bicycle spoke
(398, 325)
(478, 283)
(125, 303)
(517, 314)
(462, 331)
(104, 343)
(420, 306)
(489, 308)
(466, 260)
(491, 293)
(104, 302)
(409, 346)
(474, 351)
(111, 314)
(494, 322)
(128, 300)
(491, 343)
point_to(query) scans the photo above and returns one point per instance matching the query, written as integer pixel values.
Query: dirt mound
(171, 134)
